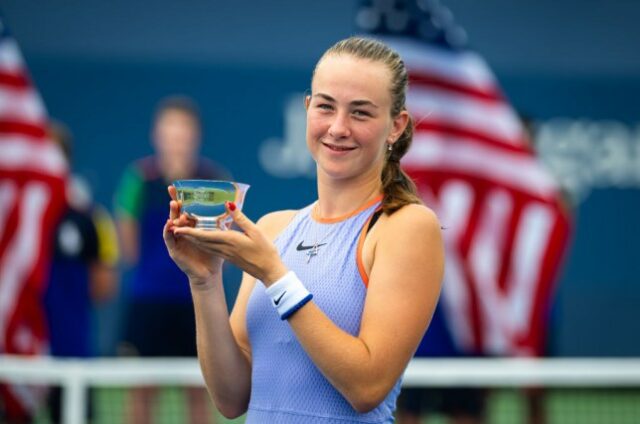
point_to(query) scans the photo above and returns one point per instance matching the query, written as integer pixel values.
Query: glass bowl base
(210, 224)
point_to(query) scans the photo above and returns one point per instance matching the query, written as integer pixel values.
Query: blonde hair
(398, 189)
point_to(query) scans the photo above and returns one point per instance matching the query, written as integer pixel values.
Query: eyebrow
(354, 102)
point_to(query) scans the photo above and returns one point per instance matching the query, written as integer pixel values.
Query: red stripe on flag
(427, 175)
(551, 264)
(11, 217)
(15, 127)
(489, 95)
(507, 255)
(455, 131)
(464, 247)
(14, 80)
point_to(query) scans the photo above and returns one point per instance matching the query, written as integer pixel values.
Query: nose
(339, 127)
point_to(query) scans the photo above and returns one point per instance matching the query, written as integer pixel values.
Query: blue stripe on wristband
(288, 294)
(295, 307)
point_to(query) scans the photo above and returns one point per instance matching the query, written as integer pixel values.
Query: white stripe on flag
(19, 155)
(22, 253)
(431, 152)
(485, 260)
(465, 68)
(23, 104)
(532, 240)
(10, 58)
(8, 192)
(455, 208)
(495, 120)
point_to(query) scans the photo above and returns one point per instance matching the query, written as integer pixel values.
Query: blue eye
(361, 113)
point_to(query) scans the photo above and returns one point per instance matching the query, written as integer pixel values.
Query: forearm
(225, 367)
(345, 360)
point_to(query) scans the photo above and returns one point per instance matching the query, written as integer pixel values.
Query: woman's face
(349, 121)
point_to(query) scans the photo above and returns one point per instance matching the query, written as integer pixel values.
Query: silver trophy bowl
(204, 201)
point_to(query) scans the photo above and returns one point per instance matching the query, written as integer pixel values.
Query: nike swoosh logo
(301, 247)
(277, 301)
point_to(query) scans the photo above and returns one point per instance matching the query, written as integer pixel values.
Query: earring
(390, 147)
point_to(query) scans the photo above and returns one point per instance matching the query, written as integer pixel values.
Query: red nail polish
(232, 206)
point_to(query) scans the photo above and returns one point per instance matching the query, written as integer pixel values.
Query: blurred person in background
(83, 270)
(160, 320)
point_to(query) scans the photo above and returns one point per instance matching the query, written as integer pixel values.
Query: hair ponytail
(398, 188)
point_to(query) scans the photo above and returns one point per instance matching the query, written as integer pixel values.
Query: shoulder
(139, 171)
(413, 218)
(413, 225)
(132, 184)
(410, 240)
(275, 222)
(146, 167)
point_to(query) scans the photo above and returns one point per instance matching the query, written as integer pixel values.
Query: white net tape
(75, 376)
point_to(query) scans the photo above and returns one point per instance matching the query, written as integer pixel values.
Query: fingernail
(232, 206)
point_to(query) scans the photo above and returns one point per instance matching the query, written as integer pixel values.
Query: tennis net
(567, 391)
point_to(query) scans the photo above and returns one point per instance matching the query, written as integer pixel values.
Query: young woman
(335, 297)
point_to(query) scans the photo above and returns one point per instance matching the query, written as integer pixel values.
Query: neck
(339, 198)
(175, 169)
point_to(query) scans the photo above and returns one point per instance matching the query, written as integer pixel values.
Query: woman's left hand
(249, 250)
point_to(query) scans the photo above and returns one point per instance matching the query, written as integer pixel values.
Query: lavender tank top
(286, 385)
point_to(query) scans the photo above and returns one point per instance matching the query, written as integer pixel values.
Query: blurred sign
(288, 157)
(585, 154)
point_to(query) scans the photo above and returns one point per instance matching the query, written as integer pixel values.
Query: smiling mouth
(338, 148)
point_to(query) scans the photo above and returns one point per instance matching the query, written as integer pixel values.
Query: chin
(336, 173)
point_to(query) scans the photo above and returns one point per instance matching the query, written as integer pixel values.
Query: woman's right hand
(200, 266)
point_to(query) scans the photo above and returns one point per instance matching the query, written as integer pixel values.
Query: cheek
(375, 136)
(310, 137)
(315, 128)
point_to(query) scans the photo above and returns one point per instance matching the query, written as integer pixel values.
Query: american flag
(506, 228)
(32, 173)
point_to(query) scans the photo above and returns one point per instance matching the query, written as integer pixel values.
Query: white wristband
(288, 294)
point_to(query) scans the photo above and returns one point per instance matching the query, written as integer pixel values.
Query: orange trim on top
(347, 216)
(361, 238)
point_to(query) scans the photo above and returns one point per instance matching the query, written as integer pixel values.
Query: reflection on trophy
(204, 201)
